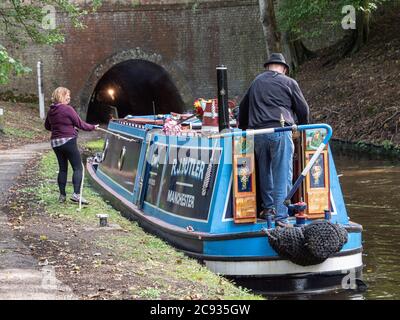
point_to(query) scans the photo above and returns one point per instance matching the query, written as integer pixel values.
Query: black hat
(277, 58)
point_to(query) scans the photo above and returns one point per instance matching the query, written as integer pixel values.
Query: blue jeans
(274, 154)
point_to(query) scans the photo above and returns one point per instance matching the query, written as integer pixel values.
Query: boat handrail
(118, 135)
(254, 132)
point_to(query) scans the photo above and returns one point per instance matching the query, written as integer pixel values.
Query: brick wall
(189, 39)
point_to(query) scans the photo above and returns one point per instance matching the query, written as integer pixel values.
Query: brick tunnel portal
(133, 87)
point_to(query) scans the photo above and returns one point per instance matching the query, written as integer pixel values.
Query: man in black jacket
(274, 100)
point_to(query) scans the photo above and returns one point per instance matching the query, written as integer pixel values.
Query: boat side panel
(223, 188)
(340, 215)
(114, 185)
(140, 171)
(131, 130)
(125, 153)
(175, 179)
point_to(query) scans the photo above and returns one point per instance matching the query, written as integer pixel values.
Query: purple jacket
(62, 120)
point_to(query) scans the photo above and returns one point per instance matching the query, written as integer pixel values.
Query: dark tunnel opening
(133, 87)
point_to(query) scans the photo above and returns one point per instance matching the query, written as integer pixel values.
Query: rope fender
(308, 245)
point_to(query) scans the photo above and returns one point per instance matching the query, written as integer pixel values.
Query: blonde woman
(63, 122)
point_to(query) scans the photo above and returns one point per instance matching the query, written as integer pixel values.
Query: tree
(361, 34)
(279, 39)
(269, 25)
(304, 19)
(33, 21)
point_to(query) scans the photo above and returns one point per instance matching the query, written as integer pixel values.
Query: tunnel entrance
(133, 87)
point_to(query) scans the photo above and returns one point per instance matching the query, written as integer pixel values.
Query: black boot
(267, 212)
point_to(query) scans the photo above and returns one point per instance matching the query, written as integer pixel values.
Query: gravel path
(21, 276)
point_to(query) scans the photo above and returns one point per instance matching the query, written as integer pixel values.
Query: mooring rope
(117, 135)
(308, 245)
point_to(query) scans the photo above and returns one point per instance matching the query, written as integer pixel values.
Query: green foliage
(19, 133)
(150, 294)
(362, 146)
(387, 145)
(95, 145)
(306, 17)
(8, 65)
(24, 22)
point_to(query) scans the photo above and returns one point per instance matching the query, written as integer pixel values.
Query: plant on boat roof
(199, 107)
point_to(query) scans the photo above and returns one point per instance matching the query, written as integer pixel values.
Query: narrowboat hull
(187, 199)
(270, 275)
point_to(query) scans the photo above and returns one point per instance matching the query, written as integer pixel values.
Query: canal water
(371, 188)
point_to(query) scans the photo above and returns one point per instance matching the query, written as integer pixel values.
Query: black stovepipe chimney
(223, 109)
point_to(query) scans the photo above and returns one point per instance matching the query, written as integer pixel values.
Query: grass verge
(21, 125)
(94, 145)
(158, 271)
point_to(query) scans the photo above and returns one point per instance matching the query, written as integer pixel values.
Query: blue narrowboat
(198, 190)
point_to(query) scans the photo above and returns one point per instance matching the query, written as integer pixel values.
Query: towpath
(21, 276)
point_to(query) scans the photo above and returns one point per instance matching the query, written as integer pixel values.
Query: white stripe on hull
(283, 267)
